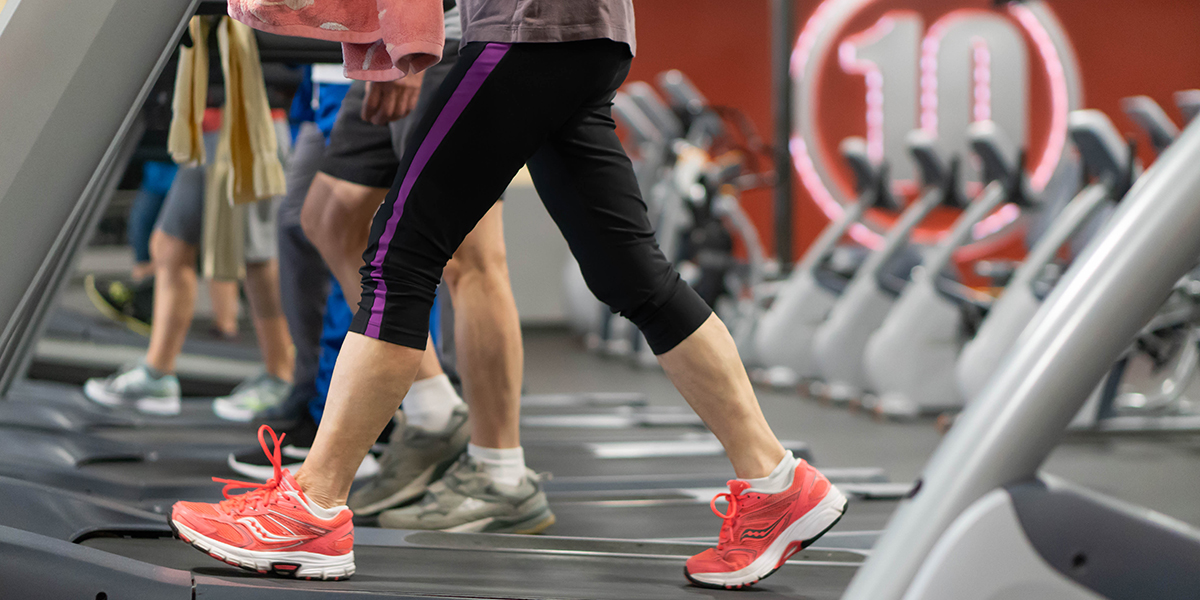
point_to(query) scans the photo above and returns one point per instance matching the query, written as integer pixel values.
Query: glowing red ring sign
(818, 41)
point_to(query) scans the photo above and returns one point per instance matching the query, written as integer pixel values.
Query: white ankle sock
(780, 478)
(430, 402)
(506, 466)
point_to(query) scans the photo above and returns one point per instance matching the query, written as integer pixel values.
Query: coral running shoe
(761, 531)
(273, 528)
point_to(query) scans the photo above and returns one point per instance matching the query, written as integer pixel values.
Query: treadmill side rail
(85, 70)
(1120, 551)
(985, 554)
(36, 566)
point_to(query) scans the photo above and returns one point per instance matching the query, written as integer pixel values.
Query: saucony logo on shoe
(261, 533)
(758, 534)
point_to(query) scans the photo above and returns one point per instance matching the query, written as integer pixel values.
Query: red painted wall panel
(1124, 48)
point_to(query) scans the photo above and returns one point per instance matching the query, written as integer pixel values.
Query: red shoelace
(260, 493)
(736, 487)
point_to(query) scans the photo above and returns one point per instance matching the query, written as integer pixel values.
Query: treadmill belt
(419, 572)
(680, 519)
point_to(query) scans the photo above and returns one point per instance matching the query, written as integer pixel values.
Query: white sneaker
(136, 386)
(251, 397)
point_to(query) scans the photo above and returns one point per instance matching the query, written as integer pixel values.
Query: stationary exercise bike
(869, 297)
(1110, 164)
(1147, 388)
(909, 361)
(692, 161)
(783, 340)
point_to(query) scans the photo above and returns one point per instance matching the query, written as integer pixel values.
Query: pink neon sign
(803, 53)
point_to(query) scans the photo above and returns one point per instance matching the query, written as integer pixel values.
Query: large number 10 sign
(1011, 65)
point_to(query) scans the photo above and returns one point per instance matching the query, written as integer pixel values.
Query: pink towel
(381, 39)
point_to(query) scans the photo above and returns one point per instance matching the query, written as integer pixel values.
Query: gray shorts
(182, 214)
(368, 154)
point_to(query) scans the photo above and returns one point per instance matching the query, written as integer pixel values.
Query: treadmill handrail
(820, 250)
(1073, 217)
(1188, 102)
(898, 236)
(1152, 119)
(989, 199)
(629, 114)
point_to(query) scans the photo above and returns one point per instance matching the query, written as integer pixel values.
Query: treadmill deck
(442, 566)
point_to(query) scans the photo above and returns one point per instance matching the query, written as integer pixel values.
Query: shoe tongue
(737, 486)
(288, 483)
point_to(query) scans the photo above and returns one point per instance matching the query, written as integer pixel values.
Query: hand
(386, 101)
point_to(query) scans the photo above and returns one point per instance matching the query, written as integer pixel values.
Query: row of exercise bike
(898, 328)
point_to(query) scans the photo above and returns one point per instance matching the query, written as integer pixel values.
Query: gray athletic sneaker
(465, 499)
(147, 391)
(414, 457)
(252, 396)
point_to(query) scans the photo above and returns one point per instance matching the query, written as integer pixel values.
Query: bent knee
(169, 251)
(335, 208)
(483, 263)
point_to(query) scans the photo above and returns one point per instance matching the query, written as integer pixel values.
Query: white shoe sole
(229, 412)
(535, 524)
(307, 565)
(165, 407)
(94, 390)
(796, 537)
(368, 468)
(168, 406)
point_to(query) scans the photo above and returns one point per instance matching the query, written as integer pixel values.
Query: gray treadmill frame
(1085, 324)
(77, 85)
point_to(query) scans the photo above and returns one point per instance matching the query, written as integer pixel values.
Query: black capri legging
(503, 106)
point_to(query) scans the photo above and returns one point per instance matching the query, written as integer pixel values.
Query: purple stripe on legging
(474, 78)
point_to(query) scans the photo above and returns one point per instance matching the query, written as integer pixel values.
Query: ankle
(316, 493)
(506, 466)
(158, 370)
(779, 478)
(430, 403)
(281, 373)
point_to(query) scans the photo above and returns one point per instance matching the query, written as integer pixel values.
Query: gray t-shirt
(547, 21)
(453, 24)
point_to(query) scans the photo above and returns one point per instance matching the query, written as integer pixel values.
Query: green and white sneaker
(252, 396)
(465, 499)
(149, 392)
(414, 457)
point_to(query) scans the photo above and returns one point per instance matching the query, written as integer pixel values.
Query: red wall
(1149, 47)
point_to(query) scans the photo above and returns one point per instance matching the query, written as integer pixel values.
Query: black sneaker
(132, 307)
(254, 463)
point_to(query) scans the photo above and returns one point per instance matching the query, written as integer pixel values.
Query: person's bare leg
(224, 296)
(487, 333)
(706, 369)
(174, 299)
(270, 325)
(371, 375)
(337, 220)
(370, 379)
